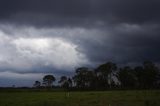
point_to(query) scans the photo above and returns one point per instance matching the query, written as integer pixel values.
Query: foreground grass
(105, 98)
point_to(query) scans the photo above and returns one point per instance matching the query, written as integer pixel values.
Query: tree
(140, 77)
(147, 75)
(126, 77)
(48, 80)
(65, 82)
(151, 74)
(37, 84)
(105, 72)
(62, 80)
(84, 77)
(70, 82)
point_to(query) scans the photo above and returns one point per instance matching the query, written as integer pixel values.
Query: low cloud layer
(56, 36)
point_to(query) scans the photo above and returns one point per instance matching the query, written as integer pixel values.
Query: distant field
(106, 98)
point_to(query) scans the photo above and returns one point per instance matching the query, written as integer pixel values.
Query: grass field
(101, 98)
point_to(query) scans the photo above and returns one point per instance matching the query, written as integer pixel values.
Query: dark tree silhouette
(62, 80)
(66, 83)
(84, 77)
(126, 77)
(140, 77)
(147, 75)
(103, 77)
(70, 82)
(150, 74)
(48, 80)
(37, 84)
(105, 72)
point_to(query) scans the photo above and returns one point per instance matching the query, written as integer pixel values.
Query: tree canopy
(48, 80)
(109, 76)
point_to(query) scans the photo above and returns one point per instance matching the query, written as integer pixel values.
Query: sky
(40, 37)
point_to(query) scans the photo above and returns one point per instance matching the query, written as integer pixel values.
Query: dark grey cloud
(126, 43)
(79, 12)
(76, 33)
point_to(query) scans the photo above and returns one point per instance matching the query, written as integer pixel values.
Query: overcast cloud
(39, 37)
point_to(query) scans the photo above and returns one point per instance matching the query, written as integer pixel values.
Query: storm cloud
(39, 37)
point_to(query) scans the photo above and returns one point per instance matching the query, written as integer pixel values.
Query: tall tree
(62, 80)
(126, 77)
(140, 76)
(65, 82)
(147, 75)
(83, 77)
(48, 80)
(37, 84)
(70, 82)
(105, 72)
(151, 74)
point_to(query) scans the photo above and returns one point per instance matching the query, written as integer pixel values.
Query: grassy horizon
(88, 98)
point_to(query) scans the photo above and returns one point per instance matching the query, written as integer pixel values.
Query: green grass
(102, 98)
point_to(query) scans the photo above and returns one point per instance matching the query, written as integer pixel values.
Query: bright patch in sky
(50, 51)
(22, 50)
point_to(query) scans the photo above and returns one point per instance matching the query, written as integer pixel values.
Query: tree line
(108, 76)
